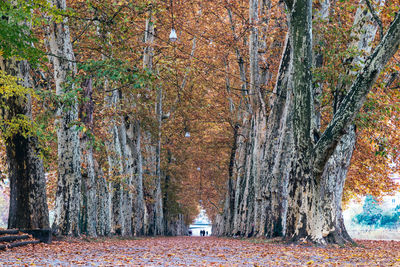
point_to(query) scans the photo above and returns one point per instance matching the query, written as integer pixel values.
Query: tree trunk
(115, 168)
(122, 161)
(88, 207)
(331, 189)
(28, 202)
(258, 79)
(335, 172)
(304, 212)
(127, 199)
(241, 178)
(302, 186)
(273, 176)
(159, 214)
(103, 202)
(238, 164)
(67, 208)
(225, 225)
(134, 141)
(154, 156)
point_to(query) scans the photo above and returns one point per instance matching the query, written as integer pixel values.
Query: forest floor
(199, 251)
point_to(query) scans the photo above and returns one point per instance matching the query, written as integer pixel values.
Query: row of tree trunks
(287, 181)
(87, 202)
(91, 203)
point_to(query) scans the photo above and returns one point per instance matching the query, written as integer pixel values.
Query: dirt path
(198, 251)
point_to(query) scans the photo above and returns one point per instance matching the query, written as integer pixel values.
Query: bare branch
(376, 18)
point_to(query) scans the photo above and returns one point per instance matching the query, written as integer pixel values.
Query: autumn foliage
(107, 38)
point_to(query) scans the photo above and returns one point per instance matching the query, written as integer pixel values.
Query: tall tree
(304, 212)
(28, 201)
(68, 194)
(154, 151)
(89, 203)
(362, 35)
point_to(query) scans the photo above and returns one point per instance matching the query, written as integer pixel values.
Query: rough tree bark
(104, 190)
(250, 141)
(159, 213)
(121, 162)
(301, 183)
(67, 208)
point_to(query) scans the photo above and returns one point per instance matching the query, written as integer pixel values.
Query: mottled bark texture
(28, 202)
(103, 202)
(230, 222)
(68, 194)
(88, 201)
(134, 141)
(158, 196)
(273, 176)
(127, 163)
(301, 183)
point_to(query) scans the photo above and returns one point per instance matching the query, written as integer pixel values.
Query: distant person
(207, 233)
(190, 232)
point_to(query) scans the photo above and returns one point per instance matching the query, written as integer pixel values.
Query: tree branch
(289, 4)
(376, 17)
(354, 100)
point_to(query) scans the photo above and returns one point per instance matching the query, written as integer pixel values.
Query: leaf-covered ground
(199, 251)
